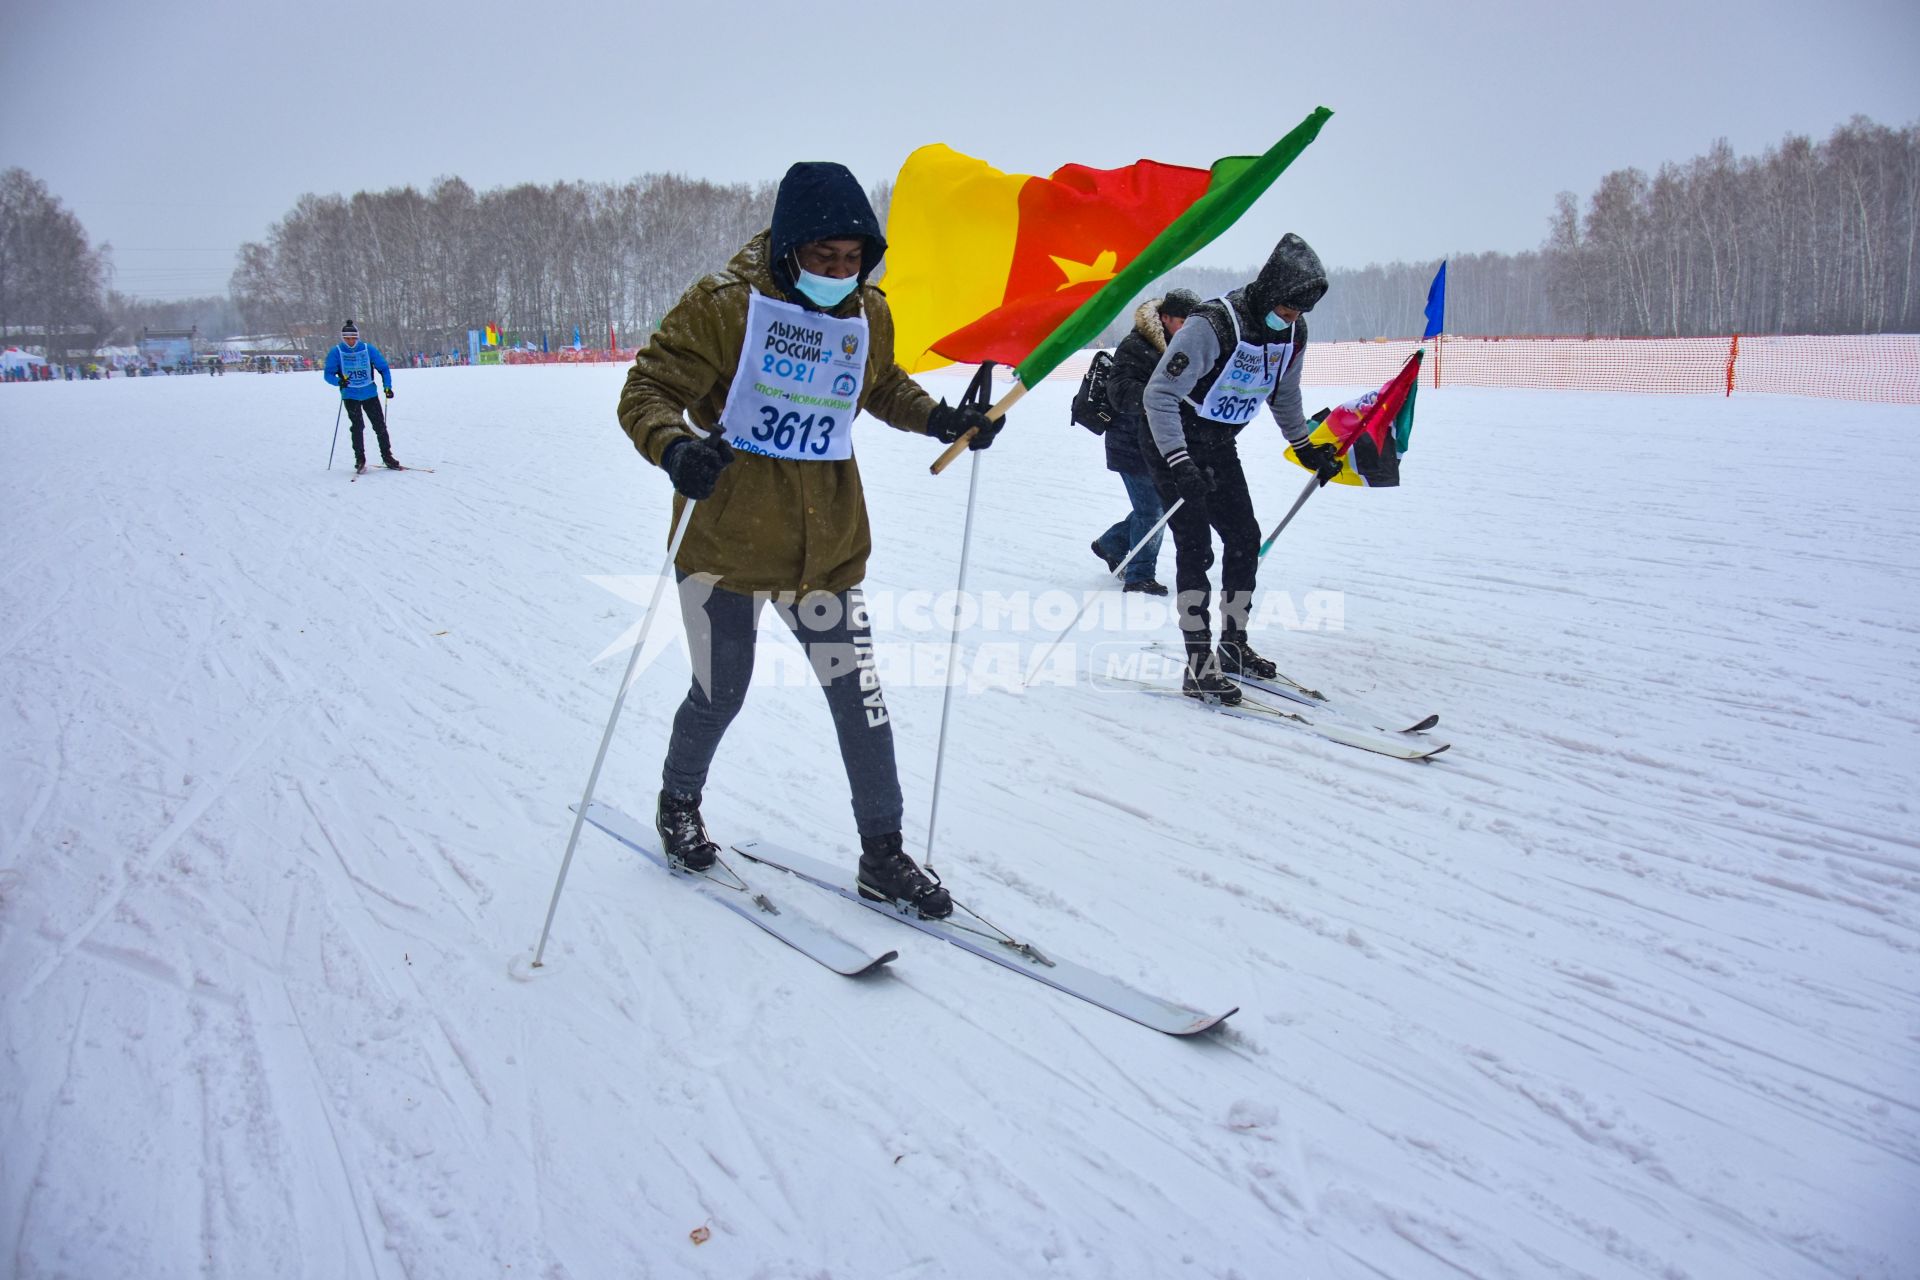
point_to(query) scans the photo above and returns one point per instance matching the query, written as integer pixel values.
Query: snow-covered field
(1627, 984)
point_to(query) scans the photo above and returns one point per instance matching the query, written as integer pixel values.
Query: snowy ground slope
(1628, 984)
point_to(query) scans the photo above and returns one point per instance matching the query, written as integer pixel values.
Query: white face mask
(826, 291)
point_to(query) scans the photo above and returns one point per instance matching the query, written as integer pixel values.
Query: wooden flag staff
(997, 412)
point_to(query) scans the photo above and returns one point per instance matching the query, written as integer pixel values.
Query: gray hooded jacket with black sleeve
(1293, 277)
(1195, 359)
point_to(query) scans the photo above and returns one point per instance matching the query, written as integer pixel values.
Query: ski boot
(887, 874)
(683, 836)
(393, 463)
(1202, 680)
(1237, 658)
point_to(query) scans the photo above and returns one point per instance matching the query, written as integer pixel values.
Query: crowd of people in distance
(213, 364)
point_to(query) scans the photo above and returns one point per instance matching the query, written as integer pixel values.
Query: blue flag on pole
(576, 337)
(1436, 303)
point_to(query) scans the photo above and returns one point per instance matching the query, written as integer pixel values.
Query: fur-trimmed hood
(1148, 324)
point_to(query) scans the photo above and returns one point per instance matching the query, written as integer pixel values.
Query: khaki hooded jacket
(771, 524)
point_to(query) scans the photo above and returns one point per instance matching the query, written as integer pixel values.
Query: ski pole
(1313, 482)
(978, 393)
(336, 431)
(1088, 603)
(606, 739)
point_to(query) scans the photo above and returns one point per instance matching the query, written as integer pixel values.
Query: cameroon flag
(1373, 430)
(1023, 270)
(983, 265)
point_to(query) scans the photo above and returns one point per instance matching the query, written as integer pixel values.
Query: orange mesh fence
(1883, 367)
(568, 355)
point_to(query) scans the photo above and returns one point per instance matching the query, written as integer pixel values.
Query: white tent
(14, 358)
(262, 344)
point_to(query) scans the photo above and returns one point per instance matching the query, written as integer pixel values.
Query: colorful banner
(986, 265)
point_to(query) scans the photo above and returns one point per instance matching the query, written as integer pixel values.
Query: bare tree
(535, 260)
(52, 281)
(1806, 238)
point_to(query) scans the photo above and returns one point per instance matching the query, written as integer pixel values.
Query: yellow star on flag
(1103, 267)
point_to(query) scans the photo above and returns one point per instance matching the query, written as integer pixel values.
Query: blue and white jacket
(351, 369)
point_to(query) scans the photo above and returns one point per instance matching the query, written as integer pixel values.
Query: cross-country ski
(1090, 642)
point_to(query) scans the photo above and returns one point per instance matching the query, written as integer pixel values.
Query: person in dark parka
(1154, 322)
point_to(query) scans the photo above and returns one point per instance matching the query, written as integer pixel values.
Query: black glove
(1193, 483)
(947, 424)
(695, 465)
(389, 393)
(1320, 458)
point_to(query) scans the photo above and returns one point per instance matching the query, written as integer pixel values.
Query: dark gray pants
(834, 632)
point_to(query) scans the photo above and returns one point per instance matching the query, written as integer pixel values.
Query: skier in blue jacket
(351, 366)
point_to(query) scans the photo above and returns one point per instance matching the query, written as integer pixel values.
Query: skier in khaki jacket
(773, 359)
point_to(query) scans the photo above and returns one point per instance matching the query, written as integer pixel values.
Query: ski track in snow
(1626, 984)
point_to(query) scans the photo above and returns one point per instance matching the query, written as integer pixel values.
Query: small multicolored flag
(1373, 430)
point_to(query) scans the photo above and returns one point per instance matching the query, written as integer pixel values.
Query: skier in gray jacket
(1233, 354)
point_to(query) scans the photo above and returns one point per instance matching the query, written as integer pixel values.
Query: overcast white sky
(177, 131)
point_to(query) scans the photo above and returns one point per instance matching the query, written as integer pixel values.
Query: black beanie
(1179, 303)
(1293, 277)
(349, 328)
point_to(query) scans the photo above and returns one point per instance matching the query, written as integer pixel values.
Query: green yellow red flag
(1023, 270)
(1372, 432)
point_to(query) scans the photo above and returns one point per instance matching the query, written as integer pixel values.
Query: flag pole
(997, 412)
(978, 393)
(1313, 482)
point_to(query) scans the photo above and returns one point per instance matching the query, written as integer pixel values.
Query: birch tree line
(420, 270)
(1805, 238)
(1487, 293)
